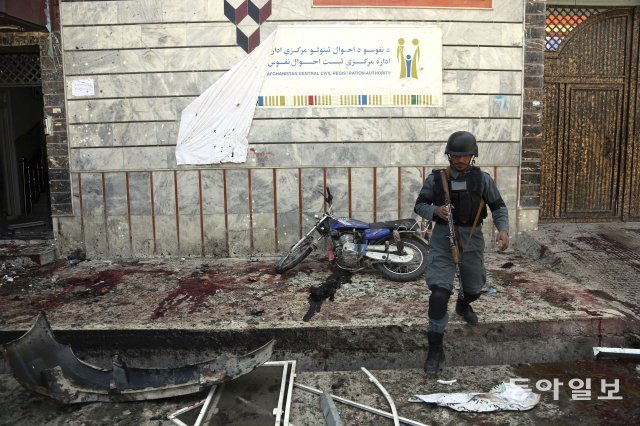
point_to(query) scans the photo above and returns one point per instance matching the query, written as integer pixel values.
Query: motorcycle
(395, 248)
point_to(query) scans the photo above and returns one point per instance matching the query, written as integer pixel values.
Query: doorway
(589, 161)
(25, 210)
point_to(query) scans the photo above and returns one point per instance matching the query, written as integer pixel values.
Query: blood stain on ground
(193, 290)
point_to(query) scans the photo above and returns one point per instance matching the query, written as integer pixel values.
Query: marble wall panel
(493, 106)
(496, 130)
(95, 237)
(412, 179)
(118, 236)
(214, 235)
(262, 195)
(344, 154)
(404, 129)
(68, 235)
(507, 180)
(140, 193)
(360, 129)
(109, 86)
(193, 10)
(92, 197)
(468, 81)
(164, 198)
(78, 13)
(91, 135)
(312, 199)
(362, 193)
(114, 110)
(396, 129)
(320, 130)
(152, 60)
(453, 32)
(482, 57)
(166, 235)
(142, 235)
(288, 230)
(338, 183)
(212, 192)
(288, 207)
(167, 133)
(211, 34)
(386, 193)
(239, 233)
(163, 35)
(136, 134)
(264, 233)
(482, 33)
(115, 194)
(190, 234)
(92, 62)
(140, 11)
(215, 10)
(188, 192)
(80, 38)
(238, 192)
(171, 84)
(149, 158)
(503, 10)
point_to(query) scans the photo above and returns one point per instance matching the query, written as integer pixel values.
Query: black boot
(464, 309)
(435, 355)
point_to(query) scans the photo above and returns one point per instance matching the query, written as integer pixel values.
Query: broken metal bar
(360, 406)
(396, 422)
(329, 410)
(205, 406)
(601, 352)
(292, 376)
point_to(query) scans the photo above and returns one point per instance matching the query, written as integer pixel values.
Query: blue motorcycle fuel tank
(369, 233)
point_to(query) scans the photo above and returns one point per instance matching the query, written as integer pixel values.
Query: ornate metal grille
(21, 69)
(562, 20)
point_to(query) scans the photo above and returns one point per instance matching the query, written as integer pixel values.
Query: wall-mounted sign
(340, 65)
(465, 4)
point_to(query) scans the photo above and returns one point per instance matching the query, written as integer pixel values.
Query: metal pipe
(386, 395)
(360, 406)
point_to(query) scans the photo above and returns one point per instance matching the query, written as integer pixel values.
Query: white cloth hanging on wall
(214, 127)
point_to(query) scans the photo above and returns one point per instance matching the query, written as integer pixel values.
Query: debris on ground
(506, 396)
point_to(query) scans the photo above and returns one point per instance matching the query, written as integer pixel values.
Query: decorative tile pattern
(247, 15)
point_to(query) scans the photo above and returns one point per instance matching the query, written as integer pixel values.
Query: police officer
(471, 191)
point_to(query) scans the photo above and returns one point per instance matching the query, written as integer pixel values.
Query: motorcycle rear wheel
(294, 257)
(407, 271)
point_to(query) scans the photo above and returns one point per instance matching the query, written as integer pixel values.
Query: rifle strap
(475, 223)
(447, 173)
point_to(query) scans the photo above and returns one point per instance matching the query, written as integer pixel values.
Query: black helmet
(461, 144)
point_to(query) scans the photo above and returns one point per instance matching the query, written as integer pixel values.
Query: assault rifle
(455, 252)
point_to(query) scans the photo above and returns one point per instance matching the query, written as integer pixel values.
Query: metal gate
(590, 167)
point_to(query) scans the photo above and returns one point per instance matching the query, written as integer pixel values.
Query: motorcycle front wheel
(295, 255)
(407, 271)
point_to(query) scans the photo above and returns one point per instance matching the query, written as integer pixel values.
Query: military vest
(466, 194)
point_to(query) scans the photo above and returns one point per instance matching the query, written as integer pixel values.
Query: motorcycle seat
(400, 224)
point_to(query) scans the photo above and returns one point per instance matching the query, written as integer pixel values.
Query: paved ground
(533, 312)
